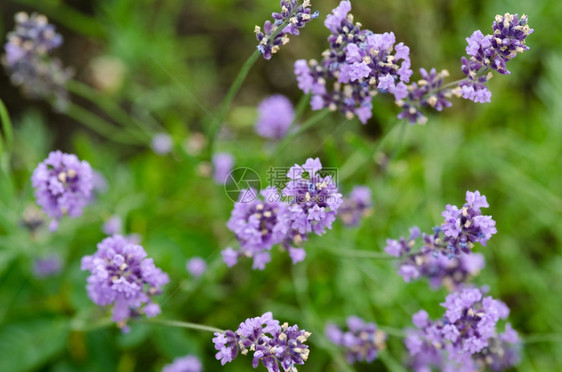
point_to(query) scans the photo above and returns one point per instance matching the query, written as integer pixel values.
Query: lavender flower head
(196, 266)
(272, 344)
(292, 18)
(466, 226)
(222, 166)
(313, 198)
(122, 276)
(27, 58)
(188, 363)
(503, 351)
(361, 343)
(114, 225)
(47, 266)
(485, 54)
(162, 144)
(358, 204)
(358, 65)
(258, 225)
(63, 185)
(275, 115)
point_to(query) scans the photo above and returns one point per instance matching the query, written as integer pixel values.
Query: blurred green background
(161, 54)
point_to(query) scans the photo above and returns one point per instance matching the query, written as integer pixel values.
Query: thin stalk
(6, 125)
(177, 323)
(301, 106)
(98, 125)
(306, 125)
(108, 105)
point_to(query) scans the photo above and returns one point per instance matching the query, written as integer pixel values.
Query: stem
(306, 125)
(301, 106)
(97, 124)
(6, 125)
(176, 323)
(108, 105)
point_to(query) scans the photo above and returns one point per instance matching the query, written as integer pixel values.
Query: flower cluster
(485, 53)
(122, 276)
(188, 363)
(358, 204)
(361, 343)
(27, 58)
(272, 344)
(464, 336)
(63, 185)
(308, 204)
(292, 17)
(275, 115)
(47, 266)
(358, 65)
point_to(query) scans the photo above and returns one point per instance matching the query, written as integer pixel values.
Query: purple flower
(272, 344)
(196, 266)
(122, 276)
(275, 115)
(47, 266)
(292, 17)
(188, 363)
(358, 65)
(63, 185)
(355, 206)
(361, 343)
(222, 166)
(114, 225)
(162, 143)
(259, 225)
(27, 58)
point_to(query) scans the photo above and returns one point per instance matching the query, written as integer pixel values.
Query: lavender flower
(358, 65)
(361, 343)
(114, 225)
(357, 205)
(63, 185)
(313, 199)
(503, 351)
(122, 276)
(275, 115)
(47, 266)
(27, 58)
(188, 363)
(273, 345)
(485, 53)
(222, 166)
(196, 266)
(162, 144)
(258, 226)
(292, 17)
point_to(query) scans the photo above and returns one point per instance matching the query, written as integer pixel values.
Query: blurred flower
(196, 266)
(272, 344)
(194, 144)
(63, 185)
(361, 343)
(122, 276)
(189, 363)
(47, 266)
(33, 218)
(275, 115)
(27, 58)
(222, 166)
(355, 206)
(358, 65)
(107, 73)
(162, 143)
(292, 17)
(114, 225)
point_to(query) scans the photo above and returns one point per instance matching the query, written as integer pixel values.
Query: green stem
(301, 106)
(6, 125)
(108, 105)
(98, 125)
(279, 151)
(234, 88)
(176, 323)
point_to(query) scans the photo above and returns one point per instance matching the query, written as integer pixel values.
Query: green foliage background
(174, 51)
